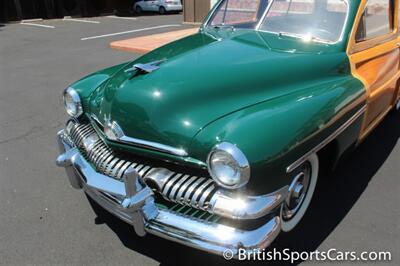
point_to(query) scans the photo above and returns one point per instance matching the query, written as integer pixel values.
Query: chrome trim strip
(208, 18)
(331, 137)
(153, 145)
(96, 119)
(143, 143)
(264, 15)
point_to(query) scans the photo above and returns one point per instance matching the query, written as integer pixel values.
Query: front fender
(275, 133)
(88, 84)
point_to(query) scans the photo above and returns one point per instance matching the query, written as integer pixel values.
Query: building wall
(196, 10)
(26, 9)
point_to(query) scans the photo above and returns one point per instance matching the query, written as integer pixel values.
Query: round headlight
(72, 103)
(228, 166)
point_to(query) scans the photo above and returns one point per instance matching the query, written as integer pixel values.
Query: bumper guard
(133, 202)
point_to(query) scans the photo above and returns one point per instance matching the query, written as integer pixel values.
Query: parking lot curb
(148, 43)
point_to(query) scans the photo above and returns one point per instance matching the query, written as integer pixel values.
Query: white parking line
(32, 20)
(130, 31)
(81, 20)
(37, 25)
(128, 18)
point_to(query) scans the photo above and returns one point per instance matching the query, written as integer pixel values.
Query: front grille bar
(100, 155)
(183, 189)
(186, 190)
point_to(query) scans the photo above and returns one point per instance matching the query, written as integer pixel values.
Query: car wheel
(138, 10)
(132, 10)
(301, 191)
(397, 106)
(162, 10)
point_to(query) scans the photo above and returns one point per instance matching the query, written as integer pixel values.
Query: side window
(377, 20)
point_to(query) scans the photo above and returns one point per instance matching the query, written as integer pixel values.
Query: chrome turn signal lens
(72, 103)
(228, 166)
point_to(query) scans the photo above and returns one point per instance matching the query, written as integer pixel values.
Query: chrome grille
(100, 155)
(195, 213)
(184, 189)
(189, 190)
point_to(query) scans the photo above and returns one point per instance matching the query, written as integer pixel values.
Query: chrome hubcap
(297, 192)
(398, 105)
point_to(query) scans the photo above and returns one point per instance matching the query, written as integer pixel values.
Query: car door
(154, 5)
(374, 55)
(148, 5)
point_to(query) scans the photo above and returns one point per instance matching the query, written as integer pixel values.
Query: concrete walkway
(148, 43)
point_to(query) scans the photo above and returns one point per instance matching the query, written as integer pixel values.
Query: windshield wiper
(223, 26)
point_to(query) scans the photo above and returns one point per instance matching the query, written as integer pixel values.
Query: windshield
(312, 20)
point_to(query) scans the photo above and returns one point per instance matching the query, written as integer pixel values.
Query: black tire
(396, 108)
(162, 10)
(132, 10)
(138, 10)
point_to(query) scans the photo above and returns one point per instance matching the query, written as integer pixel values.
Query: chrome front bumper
(133, 202)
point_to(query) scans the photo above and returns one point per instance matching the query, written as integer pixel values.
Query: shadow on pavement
(334, 198)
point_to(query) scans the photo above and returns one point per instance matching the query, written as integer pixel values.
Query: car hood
(202, 78)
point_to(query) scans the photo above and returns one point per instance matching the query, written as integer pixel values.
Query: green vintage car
(216, 141)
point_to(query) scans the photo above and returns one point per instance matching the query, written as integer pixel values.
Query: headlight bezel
(76, 101)
(236, 156)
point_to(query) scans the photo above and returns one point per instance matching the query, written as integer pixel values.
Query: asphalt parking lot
(44, 221)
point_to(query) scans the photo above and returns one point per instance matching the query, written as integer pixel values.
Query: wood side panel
(379, 70)
(376, 63)
(379, 104)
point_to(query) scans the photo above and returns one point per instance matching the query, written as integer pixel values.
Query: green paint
(262, 92)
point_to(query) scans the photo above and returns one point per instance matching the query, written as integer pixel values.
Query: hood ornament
(146, 68)
(115, 133)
